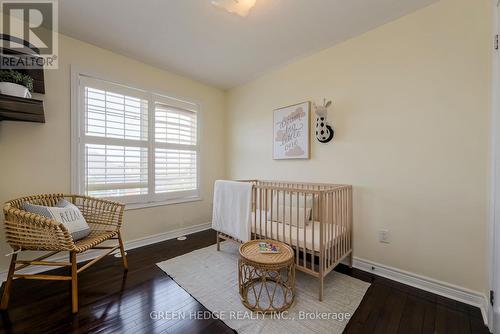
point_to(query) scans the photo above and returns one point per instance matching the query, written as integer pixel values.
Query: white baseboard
(152, 239)
(428, 284)
(136, 243)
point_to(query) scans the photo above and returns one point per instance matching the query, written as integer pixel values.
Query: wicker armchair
(27, 231)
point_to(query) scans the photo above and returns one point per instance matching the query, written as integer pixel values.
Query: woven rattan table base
(266, 281)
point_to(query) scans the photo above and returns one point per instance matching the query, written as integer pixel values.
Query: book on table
(268, 248)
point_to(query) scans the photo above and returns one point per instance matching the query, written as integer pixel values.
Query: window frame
(78, 133)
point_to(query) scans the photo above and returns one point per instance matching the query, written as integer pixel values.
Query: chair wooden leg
(122, 251)
(8, 283)
(218, 242)
(74, 283)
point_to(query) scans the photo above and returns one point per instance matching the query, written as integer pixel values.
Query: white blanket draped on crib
(232, 209)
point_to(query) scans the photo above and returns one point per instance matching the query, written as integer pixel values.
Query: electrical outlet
(384, 236)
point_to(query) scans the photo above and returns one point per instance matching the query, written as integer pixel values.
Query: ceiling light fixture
(240, 7)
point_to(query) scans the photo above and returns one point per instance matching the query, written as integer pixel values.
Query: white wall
(411, 111)
(35, 158)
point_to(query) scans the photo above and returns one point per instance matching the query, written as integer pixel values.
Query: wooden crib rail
(315, 219)
(338, 219)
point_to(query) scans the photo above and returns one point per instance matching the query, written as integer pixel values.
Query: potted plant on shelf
(15, 83)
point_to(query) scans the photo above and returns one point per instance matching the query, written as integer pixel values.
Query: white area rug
(212, 278)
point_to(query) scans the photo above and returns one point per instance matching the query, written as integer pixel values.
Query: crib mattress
(275, 231)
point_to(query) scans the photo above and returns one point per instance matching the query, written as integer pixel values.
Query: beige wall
(35, 158)
(411, 112)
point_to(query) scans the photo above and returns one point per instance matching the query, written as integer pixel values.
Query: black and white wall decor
(324, 131)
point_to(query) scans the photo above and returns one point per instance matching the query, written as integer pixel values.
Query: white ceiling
(196, 39)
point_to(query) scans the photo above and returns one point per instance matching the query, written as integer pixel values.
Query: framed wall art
(291, 132)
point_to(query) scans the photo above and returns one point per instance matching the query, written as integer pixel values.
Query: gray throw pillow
(64, 212)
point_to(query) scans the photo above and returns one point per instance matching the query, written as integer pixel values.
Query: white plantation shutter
(112, 115)
(135, 145)
(116, 170)
(175, 125)
(175, 170)
(176, 149)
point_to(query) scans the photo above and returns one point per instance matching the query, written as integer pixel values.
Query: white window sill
(136, 206)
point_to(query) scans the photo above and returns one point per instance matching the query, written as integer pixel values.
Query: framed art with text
(291, 132)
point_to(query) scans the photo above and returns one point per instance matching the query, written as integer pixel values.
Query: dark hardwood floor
(114, 302)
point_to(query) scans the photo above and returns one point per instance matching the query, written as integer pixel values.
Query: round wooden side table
(266, 281)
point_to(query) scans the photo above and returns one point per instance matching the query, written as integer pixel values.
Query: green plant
(17, 78)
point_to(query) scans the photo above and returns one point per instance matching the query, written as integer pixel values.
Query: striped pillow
(64, 212)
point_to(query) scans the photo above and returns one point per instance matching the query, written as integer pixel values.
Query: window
(133, 145)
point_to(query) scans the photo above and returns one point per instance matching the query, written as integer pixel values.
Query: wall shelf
(14, 108)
